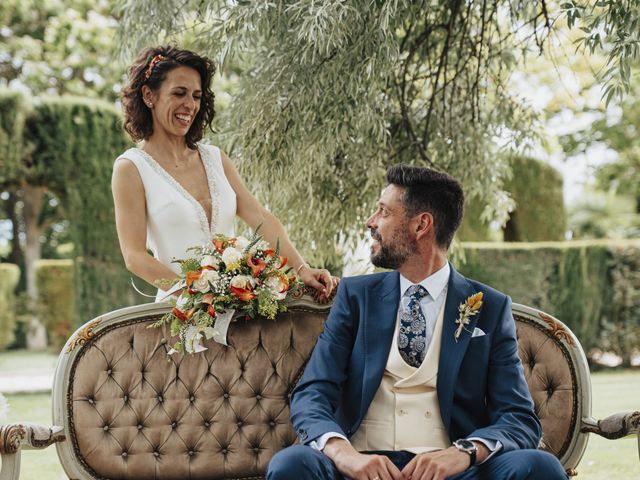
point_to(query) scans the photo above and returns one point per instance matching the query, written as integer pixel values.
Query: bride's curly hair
(150, 68)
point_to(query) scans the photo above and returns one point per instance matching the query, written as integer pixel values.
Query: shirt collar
(434, 283)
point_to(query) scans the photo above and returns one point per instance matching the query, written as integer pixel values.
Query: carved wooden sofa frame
(123, 408)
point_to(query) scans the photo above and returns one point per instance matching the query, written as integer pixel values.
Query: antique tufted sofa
(124, 409)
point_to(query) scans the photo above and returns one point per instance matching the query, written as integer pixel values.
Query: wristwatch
(467, 446)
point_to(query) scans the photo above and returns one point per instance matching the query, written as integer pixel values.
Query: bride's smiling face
(177, 101)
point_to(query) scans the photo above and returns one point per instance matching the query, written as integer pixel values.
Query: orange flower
(242, 294)
(192, 277)
(219, 244)
(176, 312)
(271, 253)
(208, 298)
(257, 265)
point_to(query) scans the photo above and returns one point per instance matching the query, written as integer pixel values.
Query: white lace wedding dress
(176, 220)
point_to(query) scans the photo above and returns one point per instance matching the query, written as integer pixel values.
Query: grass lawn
(15, 360)
(604, 459)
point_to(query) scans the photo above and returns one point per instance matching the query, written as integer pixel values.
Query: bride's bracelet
(302, 265)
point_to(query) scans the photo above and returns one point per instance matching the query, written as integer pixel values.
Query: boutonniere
(467, 310)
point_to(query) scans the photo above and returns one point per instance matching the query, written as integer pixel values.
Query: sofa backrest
(130, 410)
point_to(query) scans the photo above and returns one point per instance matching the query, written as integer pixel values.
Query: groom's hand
(358, 466)
(441, 464)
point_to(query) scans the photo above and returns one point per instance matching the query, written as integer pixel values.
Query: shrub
(591, 286)
(539, 214)
(75, 142)
(55, 308)
(9, 276)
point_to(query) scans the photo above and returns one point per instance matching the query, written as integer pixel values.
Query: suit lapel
(379, 323)
(452, 351)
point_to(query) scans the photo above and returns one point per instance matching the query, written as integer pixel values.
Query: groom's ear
(424, 225)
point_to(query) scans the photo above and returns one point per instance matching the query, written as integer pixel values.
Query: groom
(416, 375)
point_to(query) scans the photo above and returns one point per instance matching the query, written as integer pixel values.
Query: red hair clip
(154, 61)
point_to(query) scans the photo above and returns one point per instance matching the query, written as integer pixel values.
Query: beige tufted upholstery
(130, 411)
(552, 383)
(138, 413)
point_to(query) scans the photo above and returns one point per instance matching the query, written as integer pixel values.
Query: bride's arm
(131, 224)
(254, 214)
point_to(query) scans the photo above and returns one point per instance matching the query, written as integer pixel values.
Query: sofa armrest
(615, 426)
(15, 437)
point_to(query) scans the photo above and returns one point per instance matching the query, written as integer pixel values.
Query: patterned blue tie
(413, 328)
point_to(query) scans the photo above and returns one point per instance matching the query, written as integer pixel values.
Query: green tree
(335, 91)
(57, 47)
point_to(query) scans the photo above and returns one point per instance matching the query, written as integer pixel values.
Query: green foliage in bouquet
(230, 276)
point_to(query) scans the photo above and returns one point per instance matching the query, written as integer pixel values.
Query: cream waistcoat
(405, 413)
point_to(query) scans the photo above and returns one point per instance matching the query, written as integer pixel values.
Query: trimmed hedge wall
(75, 142)
(539, 214)
(13, 111)
(9, 276)
(592, 286)
(55, 299)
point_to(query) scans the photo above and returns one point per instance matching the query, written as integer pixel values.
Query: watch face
(465, 444)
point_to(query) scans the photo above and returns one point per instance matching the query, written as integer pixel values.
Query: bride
(175, 192)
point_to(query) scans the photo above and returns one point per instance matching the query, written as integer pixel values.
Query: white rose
(241, 281)
(242, 243)
(276, 285)
(201, 284)
(231, 256)
(209, 261)
(211, 275)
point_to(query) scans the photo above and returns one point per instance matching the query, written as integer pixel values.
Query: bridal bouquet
(228, 277)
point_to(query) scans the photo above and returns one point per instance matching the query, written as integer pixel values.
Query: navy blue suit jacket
(481, 387)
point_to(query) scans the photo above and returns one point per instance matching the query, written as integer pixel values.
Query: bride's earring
(148, 104)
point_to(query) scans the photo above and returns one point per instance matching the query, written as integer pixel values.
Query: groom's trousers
(300, 462)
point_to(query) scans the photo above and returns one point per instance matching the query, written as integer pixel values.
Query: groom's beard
(393, 254)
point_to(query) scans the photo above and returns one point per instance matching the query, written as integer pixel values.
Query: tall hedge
(539, 214)
(74, 143)
(590, 285)
(13, 111)
(56, 306)
(9, 276)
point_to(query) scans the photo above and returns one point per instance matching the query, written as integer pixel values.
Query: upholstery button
(192, 398)
(272, 423)
(160, 398)
(174, 425)
(156, 453)
(109, 372)
(105, 428)
(207, 424)
(239, 423)
(90, 400)
(124, 454)
(256, 449)
(226, 395)
(191, 453)
(163, 341)
(224, 451)
(258, 397)
(126, 398)
(139, 426)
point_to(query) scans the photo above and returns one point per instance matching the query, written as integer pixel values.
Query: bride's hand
(318, 278)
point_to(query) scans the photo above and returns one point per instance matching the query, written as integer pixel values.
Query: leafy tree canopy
(60, 46)
(335, 91)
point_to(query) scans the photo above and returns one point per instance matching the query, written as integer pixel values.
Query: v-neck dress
(175, 219)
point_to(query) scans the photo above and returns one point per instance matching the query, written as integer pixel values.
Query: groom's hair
(427, 190)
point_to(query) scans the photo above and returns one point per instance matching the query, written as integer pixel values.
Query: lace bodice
(176, 220)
